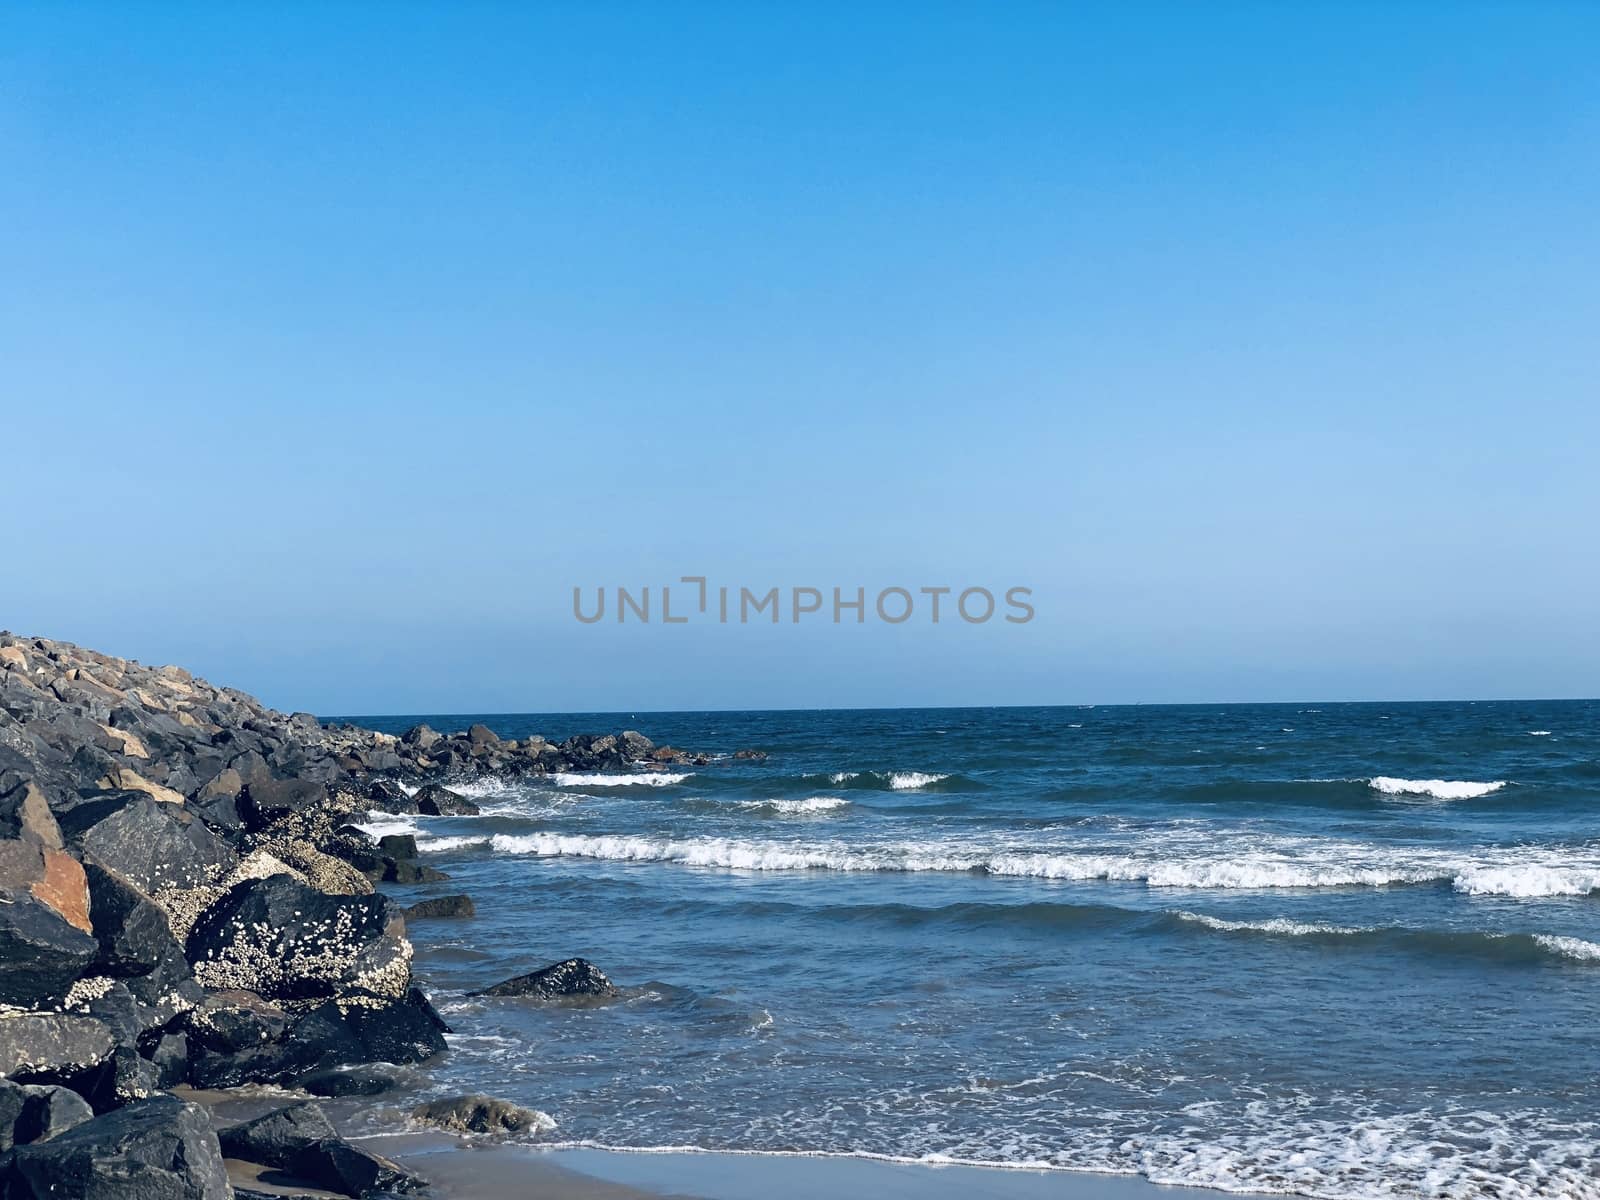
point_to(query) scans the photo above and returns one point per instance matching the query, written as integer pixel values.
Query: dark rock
(170, 1057)
(405, 1031)
(40, 951)
(154, 1149)
(274, 1139)
(355, 1081)
(52, 878)
(227, 1022)
(134, 936)
(300, 1139)
(752, 755)
(25, 814)
(156, 846)
(478, 1114)
(411, 872)
(482, 735)
(398, 845)
(388, 796)
(335, 1164)
(436, 801)
(34, 1114)
(35, 1042)
(283, 940)
(634, 744)
(420, 736)
(122, 1079)
(441, 907)
(574, 977)
(268, 800)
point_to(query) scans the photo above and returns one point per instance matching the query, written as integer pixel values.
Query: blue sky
(339, 342)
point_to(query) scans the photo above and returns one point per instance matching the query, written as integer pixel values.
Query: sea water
(1344, 950)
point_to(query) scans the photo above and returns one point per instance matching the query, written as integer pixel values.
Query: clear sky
(339, 342)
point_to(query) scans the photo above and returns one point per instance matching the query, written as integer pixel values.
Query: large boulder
(34, 1043)
(270, 800)
(301, 1140)
(155, 846)
(576, 977)
(439, 907)
(155, 1149)
(55, 879)
(34, 1114)
(436, 801)
(286, 941)
(135, 938)
(41, 952)
(25, 813)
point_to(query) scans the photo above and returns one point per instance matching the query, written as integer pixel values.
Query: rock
(156, 846)
(155, 1149)
(411, 872)
(322, 871)
(482, 735)
(51, 877)
(574, 977)
(170, 1057)
(284, 940)
(367, 1028)
(398, 845)
(752, 755)
(122, 1079)
(300, 1139)
(127, 779)
(390, 797)
(335, 1164)
(420, 736)
(441, 907)
(35, 1042)
(273, 1139)
(25, 814)
(135, 940)
(41, 952)
(480, 1114)
(436, 801)
(35, 1114)
(634, 744)
(353, 1081)
(267, 800)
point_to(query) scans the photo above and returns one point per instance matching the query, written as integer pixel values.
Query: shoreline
(463, 1170)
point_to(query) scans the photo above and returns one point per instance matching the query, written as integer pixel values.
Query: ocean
(1341, 950)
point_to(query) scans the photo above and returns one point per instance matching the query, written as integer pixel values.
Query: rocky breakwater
(185, 902)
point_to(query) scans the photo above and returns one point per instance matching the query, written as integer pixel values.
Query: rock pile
(185, 900)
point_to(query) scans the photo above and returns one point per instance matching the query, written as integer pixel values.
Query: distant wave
(789, 808)
(1335, 865)
(602, 779)
(1538, 733)
(1476, 943)
(1439, 789)
(905, 780)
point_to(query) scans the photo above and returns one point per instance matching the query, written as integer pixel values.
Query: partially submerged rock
(439, 907)
(436, 801)
(573, 978)
(481, 1114)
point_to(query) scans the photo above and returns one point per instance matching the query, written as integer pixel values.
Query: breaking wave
(618, 779)
(1438, 789)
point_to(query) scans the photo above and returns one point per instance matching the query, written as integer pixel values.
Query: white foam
(1195, 861)
(1527, 880)
(811, 804)
(1438, 789)
(1569, 947)
(381, 824)
(843, 776)
(601, 779)
(1538, 733)
(906, 780)
(1277, 925)
(434, 845)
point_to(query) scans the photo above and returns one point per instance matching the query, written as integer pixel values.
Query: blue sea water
(1344, 950)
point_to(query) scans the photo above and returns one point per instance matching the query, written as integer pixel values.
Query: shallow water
(1343, 950)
